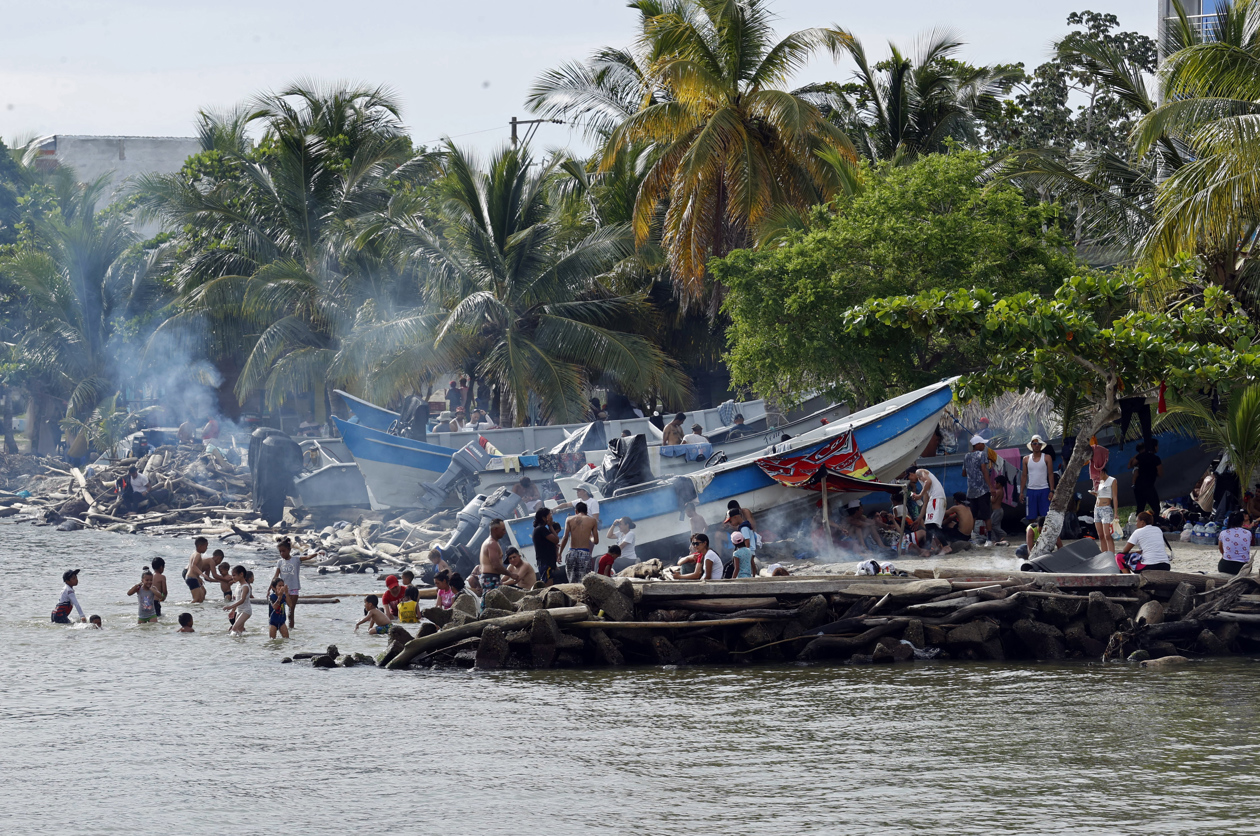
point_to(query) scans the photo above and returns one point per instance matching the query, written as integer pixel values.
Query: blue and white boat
(888, 436)
(393, 467)
(368, 414)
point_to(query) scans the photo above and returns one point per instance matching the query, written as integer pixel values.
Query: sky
(459, 69)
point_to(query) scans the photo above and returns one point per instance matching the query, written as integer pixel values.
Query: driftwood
(831, 646)
(725, 604)
(517, 621)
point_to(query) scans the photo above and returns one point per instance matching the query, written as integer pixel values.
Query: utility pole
(515, 122)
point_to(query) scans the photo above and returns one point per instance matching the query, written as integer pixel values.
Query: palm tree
(1236, 433)
(905, 106)
(504, 289)
(705, 85)
(273, 260)
(1210, 206)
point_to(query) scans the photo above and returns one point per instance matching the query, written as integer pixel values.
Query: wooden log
(1152, 612)
(516, 621)
(985, 608)
(897, 592)
(1170, 630)
(724, 604)
(666, 625)
(830, 646)
(940, 608)
(1166, 582)
(1239, 617)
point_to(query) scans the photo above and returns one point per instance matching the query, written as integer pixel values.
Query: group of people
(674, 434)
(235, 583)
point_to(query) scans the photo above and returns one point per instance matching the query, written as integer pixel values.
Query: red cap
(391, 581)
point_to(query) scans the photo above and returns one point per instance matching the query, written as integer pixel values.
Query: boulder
(493, 649)
(933, 635)
(814, 612)
(529, 603)
(439, 616)
(607, 597)
(567, 641)
(628, 589)
(972, 633)
(1044, 641)
(1228, 632)
(1100, 619)
(567, 659)
(1165, 662)
(698, 649)
(554, 598)
(1209, 645)
(914, 633)
(427, 628)
(861, 659)
(1159, 650)
(498, 599)
(287, 660)
(494, 612)
(363, 659)
(1181, 601)
(1062, 611)
(666, 653)
(889, 649)
(324, 661)
(465, 604)
(518, 637)
(399, 634)
(391, 650)
(347, 661)
(458, 619)
(543, 637)
(756, 635)
(605, 649)
(514, 594)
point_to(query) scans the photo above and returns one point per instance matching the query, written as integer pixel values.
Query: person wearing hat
(395, 592)
(979, 484)
(68, 600)
(695, 436)
(444, 422)
(1036, 480)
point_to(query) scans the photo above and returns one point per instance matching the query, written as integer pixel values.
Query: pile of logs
(947, 614)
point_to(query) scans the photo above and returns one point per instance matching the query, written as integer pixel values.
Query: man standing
(289, 567)
(979, 483)
(492, 568)
(1147, 467)
(931, 500)
(673, 433)
(1036, 480)
(546, 539)
(582, 534)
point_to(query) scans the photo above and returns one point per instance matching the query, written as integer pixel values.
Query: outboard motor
(463, 550)
(139, 445)
(466, 463)
(256, 440)
(413, 421)
(279, 460)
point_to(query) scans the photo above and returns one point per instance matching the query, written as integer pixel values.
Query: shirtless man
(491, 564)
(198, 565)
(673, 432)
(582, 533)
(522, 575)
(959, 522)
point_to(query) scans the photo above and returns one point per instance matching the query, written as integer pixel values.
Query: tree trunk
(10, 443)
(1103, 415)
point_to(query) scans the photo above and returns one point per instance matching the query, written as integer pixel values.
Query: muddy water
(138, 730)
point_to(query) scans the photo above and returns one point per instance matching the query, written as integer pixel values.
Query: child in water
(445, 595)
(409, 609)
(95, 621)
(374, 614)
(275, 609)
(240, 609)
(159, 582)
(147, 597)
(185, 623)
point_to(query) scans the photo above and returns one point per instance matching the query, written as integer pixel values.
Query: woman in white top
(1234, 544)
(1105, 511)
(622, 531)
(1148, 541)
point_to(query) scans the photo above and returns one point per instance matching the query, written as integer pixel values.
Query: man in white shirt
(694, 437)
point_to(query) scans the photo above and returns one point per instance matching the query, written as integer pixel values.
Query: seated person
(1034, 531)
(520, 573)
(394, 594)
(606, 561)
(409, 608)
(528, 492)
(708, 565)
(695, 436)
(959, 523)
(775, 570)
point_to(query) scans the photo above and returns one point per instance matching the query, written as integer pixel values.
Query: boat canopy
(839, 463)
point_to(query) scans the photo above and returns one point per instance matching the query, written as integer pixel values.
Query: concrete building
(120, 157)
(1199, 12)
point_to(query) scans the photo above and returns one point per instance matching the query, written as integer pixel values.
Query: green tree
(708, 83)
(1236, 432)
(927, 225)
(271, 258)
(506, 293)
(1089, 337)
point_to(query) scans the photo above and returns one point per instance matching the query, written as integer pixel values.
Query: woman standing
(1234, 544)
(241, 608)
(1105, 510)
(623, 533)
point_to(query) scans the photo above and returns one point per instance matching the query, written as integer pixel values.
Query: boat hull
(393, 468)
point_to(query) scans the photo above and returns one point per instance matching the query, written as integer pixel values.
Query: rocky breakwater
(992, 616)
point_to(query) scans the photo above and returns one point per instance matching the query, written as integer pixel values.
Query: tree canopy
(924, 226)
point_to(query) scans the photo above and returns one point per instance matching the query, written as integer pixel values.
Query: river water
(140, 730)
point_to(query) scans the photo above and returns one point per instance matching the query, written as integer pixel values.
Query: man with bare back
(198, 565)
(492, 568)
(581, 532)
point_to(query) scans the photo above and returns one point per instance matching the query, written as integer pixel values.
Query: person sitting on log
(520, 574)
(1146, 548)
(709, 565)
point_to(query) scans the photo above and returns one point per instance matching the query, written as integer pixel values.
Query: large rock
(347, 661)
(914, 633)
(666, 653)
(555, 598)
(1062, 611)
(493, 650)
(1181, 601)
(607, 597)
(465, 604)
(972, 633)
(324, 661)
(632, 591)
(1044, 641)
(498, 599)
(494, 612)
(543, 638)
(814, 612)
(399, 634)
(439, 616)
(898, 591)
(762, 633)
(529, 603)
(889, 649)
(1099, 617)
(1228, 632)
(514, 594)
(427, 628)
(934, 635)
(605, 649)
(703, 649)
(1209, 645)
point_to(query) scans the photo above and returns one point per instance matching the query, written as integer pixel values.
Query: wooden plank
(762, 587)
(720, 604)
(666, 625)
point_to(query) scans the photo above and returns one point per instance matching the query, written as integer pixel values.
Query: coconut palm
(909, 105)
(1210, 206)
(1236, 433)
(504, 288)
(81, 284)
(707, 83)
(272, 258)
